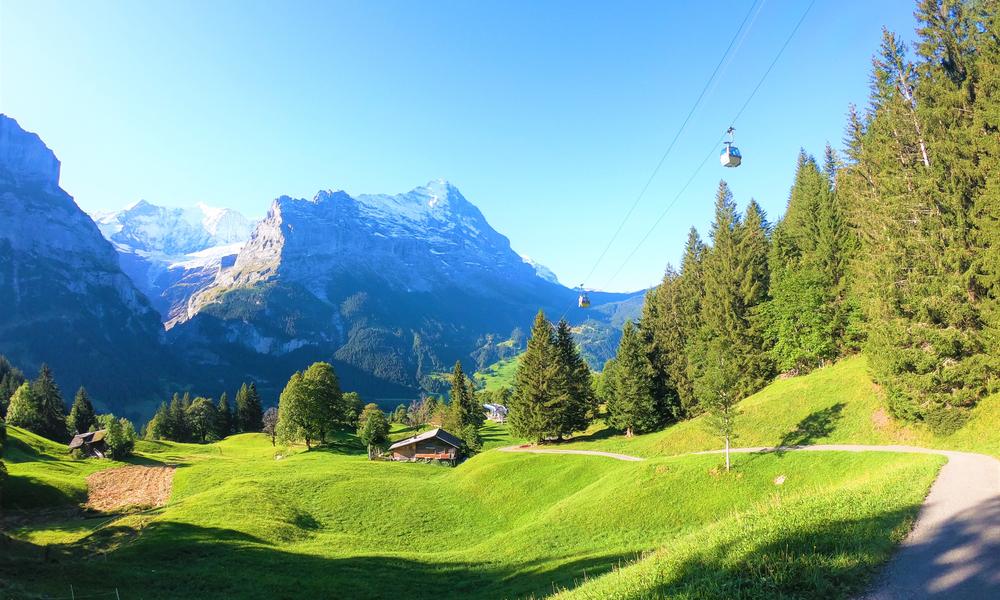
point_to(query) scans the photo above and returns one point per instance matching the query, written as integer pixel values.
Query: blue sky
(550, 116)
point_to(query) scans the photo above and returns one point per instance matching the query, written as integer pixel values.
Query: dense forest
(890, 250)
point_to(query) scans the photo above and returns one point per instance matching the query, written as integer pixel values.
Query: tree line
(38, 407)
(202, 419)
(891, 250)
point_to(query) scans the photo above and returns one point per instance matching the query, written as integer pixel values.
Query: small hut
(436, 444)
(91, 444)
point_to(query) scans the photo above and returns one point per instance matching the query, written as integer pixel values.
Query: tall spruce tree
(81, 415)
(224, 417)
(915, 190)
(573, 382)
(632, 406)
(248, 409)
(52, 408)
(535, 385)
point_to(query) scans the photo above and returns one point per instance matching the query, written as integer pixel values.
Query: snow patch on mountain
(541, 270)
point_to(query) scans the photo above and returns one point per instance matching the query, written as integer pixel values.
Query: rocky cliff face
(392, 288)
(63, 296)
(173, 253)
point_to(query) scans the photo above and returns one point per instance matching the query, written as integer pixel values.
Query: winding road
(953, 550)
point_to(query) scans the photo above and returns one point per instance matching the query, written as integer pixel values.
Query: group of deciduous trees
(553, 395)
(893, 249)
(202, 420)
(312, 405)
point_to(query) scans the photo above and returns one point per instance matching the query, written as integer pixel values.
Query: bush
(120, 438)
(946, 420)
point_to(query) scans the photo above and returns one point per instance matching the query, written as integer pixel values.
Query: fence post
(72, 594)
(117, 595)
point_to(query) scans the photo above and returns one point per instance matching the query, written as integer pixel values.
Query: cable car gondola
(584, 300)
(730, 156)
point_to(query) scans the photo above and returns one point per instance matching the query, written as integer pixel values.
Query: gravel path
(953, 551)
(534, 450)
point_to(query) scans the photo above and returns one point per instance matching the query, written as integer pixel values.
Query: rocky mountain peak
(24, 157)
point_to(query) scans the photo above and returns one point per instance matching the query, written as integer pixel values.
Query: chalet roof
(87, 438)
(438, 433)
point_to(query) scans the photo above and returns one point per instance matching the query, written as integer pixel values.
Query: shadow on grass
(843, 559)
(176, 560)
(601, 434)
(813, 427)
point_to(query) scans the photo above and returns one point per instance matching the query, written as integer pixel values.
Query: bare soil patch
(131, 486)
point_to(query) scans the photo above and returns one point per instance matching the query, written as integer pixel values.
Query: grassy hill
(500, 374)
(330, 523)
(249, 520)
(835, 404)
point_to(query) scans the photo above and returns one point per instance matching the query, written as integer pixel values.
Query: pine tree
(717, 388)
(224, 417)
(177, 426)
(534, 385)
(81, 415)
(248, 409)
(52, 409)
(573, 382)
(463, 411)
(631, 406)
(914, 188)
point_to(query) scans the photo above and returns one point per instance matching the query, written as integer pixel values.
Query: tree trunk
(628, 432)
(727, 453)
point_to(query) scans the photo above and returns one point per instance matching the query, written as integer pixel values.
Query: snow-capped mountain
(393, 287)
(173, 231)
(172, 253)
(541, 270)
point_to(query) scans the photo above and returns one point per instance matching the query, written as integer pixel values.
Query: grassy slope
(240, 523)
(835, 404)
(500, 374)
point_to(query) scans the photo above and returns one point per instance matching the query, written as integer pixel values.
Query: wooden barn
(436, 444)
(91, 444)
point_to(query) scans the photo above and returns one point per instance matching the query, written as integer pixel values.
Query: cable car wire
(715, 146)
(680, 130)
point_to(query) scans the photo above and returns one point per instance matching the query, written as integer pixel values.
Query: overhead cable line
(677, 135)
(701, 165)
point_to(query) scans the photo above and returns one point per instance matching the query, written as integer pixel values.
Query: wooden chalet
(436, 444)
(91, 444)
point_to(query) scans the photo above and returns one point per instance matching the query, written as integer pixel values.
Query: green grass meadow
(250, 520)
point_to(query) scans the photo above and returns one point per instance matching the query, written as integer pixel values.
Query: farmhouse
(91, 443)
(436, 444)
(496, 412)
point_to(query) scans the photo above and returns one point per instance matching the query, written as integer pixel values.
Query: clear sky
(549, 115)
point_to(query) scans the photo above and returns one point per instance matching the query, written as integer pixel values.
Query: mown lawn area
(329, 523)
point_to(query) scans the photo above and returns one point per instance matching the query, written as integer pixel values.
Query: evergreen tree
(632, 407)
(573, 383)
(177, 426)
(25, 410)
(10, 379)
(248, 409)
(81, 415)
(464, 410)
(224, 417)
(529, 414)
(51, 407)
(917, 192)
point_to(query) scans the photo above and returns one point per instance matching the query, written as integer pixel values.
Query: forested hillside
(890, 249)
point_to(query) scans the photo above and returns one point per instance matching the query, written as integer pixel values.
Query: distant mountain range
(391, 288)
